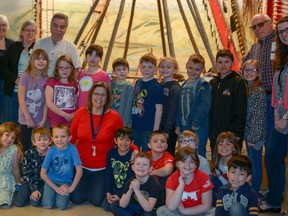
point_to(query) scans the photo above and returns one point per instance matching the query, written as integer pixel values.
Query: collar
(268, 38)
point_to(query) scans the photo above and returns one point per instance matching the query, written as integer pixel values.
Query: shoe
(266, 208)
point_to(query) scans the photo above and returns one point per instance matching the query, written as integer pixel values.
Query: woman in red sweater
(93, 129)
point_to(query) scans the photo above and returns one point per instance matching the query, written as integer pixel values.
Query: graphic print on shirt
(33, 102)
(229, 199)
(116, 92)
(186, 100)
(64, 97)
(187, 196)
(144, 193)
(85, 83)
(166, 91)
(61, 163)
(138, 101)
(120, 172)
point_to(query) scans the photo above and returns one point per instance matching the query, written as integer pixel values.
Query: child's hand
(177, 131)
(63, 190)
(35, 196)
(69, 117)
(182, 181)
(134, 153)
(111, 198)
(30, 123)
(41, 124)
(136, 184)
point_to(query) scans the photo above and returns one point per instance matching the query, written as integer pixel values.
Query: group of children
(159, 115)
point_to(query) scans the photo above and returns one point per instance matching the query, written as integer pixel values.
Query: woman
(93, 129)
(277, 146)
(14, 63)
(4, 43)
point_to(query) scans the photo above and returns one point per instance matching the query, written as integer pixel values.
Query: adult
(93, 129)
(55, 45)
(4, 43)
(263, 51)
(14, 63)
(277, 146)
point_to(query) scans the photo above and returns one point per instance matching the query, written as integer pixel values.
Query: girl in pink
(92, 74)
(61, 93)
(32, 106)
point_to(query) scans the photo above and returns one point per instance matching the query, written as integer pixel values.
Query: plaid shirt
(264, 50)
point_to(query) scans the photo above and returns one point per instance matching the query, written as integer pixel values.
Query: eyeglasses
(280, 32)
(250, 70)
(99, 94)
(187, 141)
(29, 30)
(64, 68)
(259, 25)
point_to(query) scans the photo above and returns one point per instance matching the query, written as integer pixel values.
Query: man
(55, 45)
(263, 50)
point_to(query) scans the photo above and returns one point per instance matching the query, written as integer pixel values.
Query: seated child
(32, 186)
(188, 190)
(122, 91)
(162, 161)
(142, 193)
(58, 169)
(118, 169)
(237, 198)
(191, 139)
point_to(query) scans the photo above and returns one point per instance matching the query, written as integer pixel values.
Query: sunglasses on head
(259, 25)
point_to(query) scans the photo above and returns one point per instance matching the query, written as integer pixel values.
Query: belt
(268, 92)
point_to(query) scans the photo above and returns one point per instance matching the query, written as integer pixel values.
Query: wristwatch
(285, 117)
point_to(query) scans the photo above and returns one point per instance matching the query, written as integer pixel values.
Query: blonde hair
(24, 25)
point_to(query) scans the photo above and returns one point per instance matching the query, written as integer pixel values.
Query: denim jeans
(256, 159)
(25, 136)
(164, 211)
(275, 153)
(141, 139)
(131, 210)
(237, 209)
(90, 188)
(11, 108)
(202, 133)
(22, 198)
(270, 117)
(51, 198)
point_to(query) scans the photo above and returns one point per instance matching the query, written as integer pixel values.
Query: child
(122, 91)
(118, 168)
(86, 77)
(195, 102)
(162, 161)
(58, 169)
(32, 186)
(237, 198)
(188, 190)
(229, 100)
(61, 93)
(147, 102)
(32, 106)
(10, 154)
(256, 120)
(190, 139)
(226, 146)
(168, 68)
(143, 193)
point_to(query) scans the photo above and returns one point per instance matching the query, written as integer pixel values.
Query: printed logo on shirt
(85, 83)
(229, 199)
(64, 97)
(226, 92)
(207, 184)
(116, 92)
(138, 103)
(166, 91)
(120, 171)
(189, 196)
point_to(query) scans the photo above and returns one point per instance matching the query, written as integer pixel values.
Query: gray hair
(24, 25)
(4, 19)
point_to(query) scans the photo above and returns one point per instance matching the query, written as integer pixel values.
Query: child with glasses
(191, 139)
(61, 93)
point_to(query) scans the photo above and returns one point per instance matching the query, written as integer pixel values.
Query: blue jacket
(199, 115)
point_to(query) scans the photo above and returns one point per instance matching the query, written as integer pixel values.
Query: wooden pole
(113, 35)
(100, 21)
(162, 28)
(199, 24)
(85, 22)
(188, 27)
(129, 29)
(169, 30)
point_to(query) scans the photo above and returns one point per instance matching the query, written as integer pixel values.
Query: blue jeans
(25, 137)
(141, 139)
(256, 159)
(275, 153)
(270, 117)
(51, 198)
(217, 184)
(90, 188)
(2, 99)
(237, 209)
(11, 108)
(22, 198)
(131, 210)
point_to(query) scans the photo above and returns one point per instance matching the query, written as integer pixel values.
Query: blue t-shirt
(146, 96)
(60, 163)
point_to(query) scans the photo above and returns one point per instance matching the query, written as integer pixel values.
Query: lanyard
(94, 133)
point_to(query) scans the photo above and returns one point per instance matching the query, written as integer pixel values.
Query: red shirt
(167, 158)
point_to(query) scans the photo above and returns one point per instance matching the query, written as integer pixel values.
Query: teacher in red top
(93, 129)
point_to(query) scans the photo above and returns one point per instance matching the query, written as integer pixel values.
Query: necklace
(95, 132)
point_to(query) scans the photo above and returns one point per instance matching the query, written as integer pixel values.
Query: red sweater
(81, 131)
